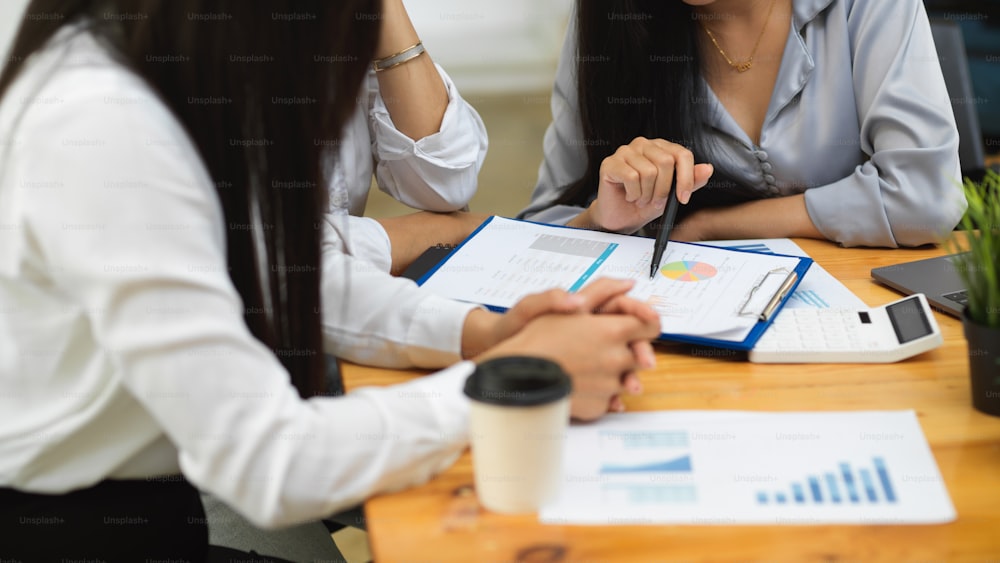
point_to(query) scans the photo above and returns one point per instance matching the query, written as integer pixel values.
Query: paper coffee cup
(518, 420)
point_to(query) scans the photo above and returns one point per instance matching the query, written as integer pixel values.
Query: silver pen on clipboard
(779, 295)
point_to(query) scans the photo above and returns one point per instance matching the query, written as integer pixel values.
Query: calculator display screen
(909, 320)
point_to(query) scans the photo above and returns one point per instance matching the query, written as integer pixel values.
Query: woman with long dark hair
(813, 118)
(160, 299)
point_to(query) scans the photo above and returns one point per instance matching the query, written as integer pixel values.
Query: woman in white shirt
(160, 296)
(428, 145)
(425, 145)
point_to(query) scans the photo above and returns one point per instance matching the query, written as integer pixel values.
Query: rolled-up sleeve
(438, 172)
(908, 193)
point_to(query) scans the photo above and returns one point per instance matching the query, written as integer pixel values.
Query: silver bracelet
(406, 55)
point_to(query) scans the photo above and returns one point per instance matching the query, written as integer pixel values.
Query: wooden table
(441, 521)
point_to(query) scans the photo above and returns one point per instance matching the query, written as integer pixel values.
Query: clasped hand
(600, 337)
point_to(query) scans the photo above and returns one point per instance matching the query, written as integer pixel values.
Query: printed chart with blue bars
(744, 467)
(842, 485)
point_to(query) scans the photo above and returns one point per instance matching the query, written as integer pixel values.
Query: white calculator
(885, 334)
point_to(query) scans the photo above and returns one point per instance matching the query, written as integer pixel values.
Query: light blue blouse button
(761, 155)
(769, 179)
(773, 190)
(765, 166)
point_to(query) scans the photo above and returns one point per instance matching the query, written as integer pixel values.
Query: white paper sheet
(818, 289)
(731, 467)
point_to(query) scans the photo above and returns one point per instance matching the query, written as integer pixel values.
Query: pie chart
(688, 271)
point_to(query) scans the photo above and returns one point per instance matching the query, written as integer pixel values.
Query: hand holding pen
(636, 183)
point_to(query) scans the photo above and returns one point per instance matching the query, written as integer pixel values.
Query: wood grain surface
(441, 521)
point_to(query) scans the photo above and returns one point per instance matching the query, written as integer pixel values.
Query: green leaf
(980, 268)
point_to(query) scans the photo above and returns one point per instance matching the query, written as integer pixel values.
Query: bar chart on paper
(731, 467)
(844, 484)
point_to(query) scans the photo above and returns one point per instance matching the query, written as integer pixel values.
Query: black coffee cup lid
(518, 381)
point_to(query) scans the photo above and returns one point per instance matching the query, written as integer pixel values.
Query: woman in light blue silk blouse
(815, 118)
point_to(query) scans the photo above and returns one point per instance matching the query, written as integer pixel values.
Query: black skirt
(156, 519)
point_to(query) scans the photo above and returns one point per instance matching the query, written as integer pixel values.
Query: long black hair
(638, 74)
(263, 89)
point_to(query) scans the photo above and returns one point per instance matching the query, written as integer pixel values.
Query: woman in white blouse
(161, 241)
(425, 146)
(428, 145)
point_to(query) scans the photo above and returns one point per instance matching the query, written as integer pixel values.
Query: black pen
(666, 225)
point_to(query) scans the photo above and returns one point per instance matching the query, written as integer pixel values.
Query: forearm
(587, 220)
(410, 235)
(764, 218)
(479, 332)
(584, 221)
(413, 92)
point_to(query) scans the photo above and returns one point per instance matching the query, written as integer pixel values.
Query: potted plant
(979, 269)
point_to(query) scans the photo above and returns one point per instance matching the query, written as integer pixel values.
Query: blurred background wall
(491, 46)
(502, 55)
(10, 18)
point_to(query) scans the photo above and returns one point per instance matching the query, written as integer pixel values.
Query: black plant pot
(984, 364)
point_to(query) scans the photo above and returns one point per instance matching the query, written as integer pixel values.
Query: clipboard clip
(791, 276)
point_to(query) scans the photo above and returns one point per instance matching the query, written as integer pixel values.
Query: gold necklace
(741, 66)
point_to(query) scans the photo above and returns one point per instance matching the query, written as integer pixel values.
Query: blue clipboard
(786, 290)
(777, 301)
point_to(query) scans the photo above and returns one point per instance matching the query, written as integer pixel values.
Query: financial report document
(818, 290)
(698, 290)
(731, 467)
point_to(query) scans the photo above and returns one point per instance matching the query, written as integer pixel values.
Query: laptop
(936, 278)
